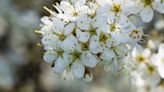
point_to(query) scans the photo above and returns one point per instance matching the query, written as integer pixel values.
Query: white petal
(69, 28)
(66, 59)
(102, 2)
(46, 20)
(70, 43)
(122, 50)
(88, 77)
(147, 53)
(82, 36)
(83, 23)
(131, 7)
(94, 45)
(147, 14)
(46, 30)
(135, 52)
(58, 26)
(104, 28)
(89, 60)
(48, 39)
(160, 70)
(99, 20)
(66, 7)
(111, 67)
(107, 55)
(111, 42)
(49, 56)
(59, 65)
(83, 10)
(161, 49)
(81, 2)
(78, 70)
(159, 7)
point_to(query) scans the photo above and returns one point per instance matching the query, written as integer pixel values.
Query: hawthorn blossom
(80, 34)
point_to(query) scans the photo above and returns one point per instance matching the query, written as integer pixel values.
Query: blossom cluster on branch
(78, 35)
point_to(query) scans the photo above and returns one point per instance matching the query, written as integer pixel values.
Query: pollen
(140, 58)
(75, 14)
(103, 37)
(147, 2)
(116, 8)
(112, 27)
(151, 69)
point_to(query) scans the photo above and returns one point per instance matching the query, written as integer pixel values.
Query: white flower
(147, 7)
(112, 6)
(136, 34)
(158, 60)
(141, 56)
(71, 12)
(82, 33)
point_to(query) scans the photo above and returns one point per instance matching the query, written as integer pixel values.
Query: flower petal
(49, 56)
(69, 28)
(70, 43)
(78, 70)
(59, 65)
(159, 7)
(58, 26)
(82, 36)
(147, 14)
(89, 60)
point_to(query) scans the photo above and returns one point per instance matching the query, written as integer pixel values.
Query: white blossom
(81, 34)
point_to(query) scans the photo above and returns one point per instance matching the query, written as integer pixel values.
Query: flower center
(116, 8)
(112, 27)
(60, 52)
(62, 37)
(151, 69)
(92, 31)
(104, 37)
(136, 34)
(140, 58)
(76, 55)
(75, 13)
(85, 46)
(147, 2)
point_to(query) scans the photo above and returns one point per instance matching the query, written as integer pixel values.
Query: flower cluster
(81, 34)
(149, 74)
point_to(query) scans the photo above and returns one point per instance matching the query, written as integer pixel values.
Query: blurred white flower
(158, 60)
(147, 7)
